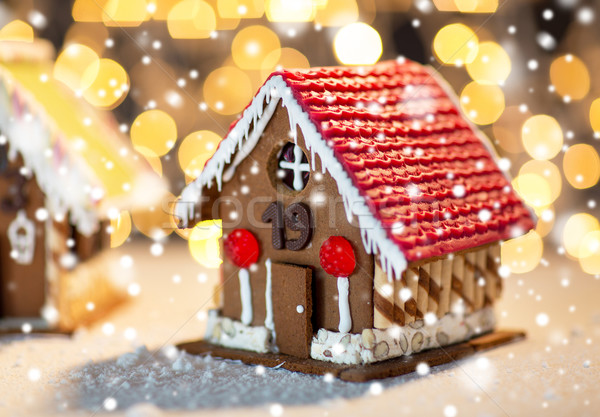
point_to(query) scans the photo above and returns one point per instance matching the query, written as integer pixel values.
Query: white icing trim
(374, 237)
(343, 285)
(64, 187)
(245, 295)
(375, 345)
(251, 142)
(269, 297)
(234, 334)
(372, 345)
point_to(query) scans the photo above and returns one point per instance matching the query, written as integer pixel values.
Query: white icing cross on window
(297, 166)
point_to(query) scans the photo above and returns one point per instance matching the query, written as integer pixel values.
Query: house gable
(373, 235)
(248, 193)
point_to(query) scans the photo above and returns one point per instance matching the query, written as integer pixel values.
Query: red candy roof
(424, 172)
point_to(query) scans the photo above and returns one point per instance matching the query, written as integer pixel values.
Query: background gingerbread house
(380, 160)
(64, 169)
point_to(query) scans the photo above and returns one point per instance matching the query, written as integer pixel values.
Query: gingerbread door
(292, 308)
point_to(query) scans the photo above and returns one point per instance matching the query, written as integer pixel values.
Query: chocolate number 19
(296, 217)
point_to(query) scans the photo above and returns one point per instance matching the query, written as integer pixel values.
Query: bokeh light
(73, 63)
(156, 221)
(576, 227)
(121, 13)
(110, 86)
(153, 133)
(590, 252)
(17, 30)
(191, 19)
(289, 58)
(357, 44)
(88, 10)
(476, 6)
(581, 166)
(466, 6)
(337, 13)
(154, 161)
(456, 44)
(92, 35)
(289, 10)
(522, 254)
(546, 220)
(227, 90)
(549, 172)
(595, 115)
(570, 77)
(195, 150)
(246, 9)
(203, 243)
(252, 45)
(159, 9)
(120, 227)
(225, 24)
(491, 65)
(507, 129)
(482, 103)
(542, 136)
(534, 189)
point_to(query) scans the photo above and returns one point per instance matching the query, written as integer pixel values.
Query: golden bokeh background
(176, 73)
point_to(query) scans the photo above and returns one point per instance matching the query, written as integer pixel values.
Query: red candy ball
(241, 247)
(337, 257)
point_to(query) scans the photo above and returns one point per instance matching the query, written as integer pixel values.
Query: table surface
(127, 362)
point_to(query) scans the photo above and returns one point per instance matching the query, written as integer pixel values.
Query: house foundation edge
(370, 346)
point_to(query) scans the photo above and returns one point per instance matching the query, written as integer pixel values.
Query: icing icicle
(246, 296)
(269, 298)
(247, 147)
(343, 286)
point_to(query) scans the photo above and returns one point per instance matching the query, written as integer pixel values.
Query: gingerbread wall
(241, 204)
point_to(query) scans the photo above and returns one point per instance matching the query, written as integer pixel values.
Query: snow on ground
(107, 368)
(172, 379)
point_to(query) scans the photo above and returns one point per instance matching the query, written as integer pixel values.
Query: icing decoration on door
(21, 234)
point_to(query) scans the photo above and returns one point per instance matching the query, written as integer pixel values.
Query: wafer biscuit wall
(463, 282)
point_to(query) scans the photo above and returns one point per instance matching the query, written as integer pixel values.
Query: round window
(292, 167)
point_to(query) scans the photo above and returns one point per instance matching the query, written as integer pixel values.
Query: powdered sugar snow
(172, 379)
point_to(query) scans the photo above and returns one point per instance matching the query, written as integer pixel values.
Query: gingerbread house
(362, 215)
(64, 169)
